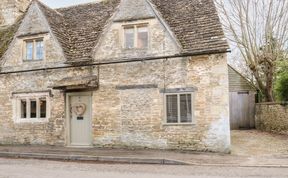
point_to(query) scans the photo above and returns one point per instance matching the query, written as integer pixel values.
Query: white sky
(64, 3)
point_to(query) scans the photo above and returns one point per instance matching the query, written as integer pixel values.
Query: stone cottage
(117, 73)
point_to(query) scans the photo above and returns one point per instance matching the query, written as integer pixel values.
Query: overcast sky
(64, 3)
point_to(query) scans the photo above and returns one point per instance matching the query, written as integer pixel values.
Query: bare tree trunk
(259, 30)
(269, 84)
(266, 90)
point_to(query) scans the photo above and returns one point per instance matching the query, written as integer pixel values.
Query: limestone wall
(122, 116)
(44, 133)
(10, 10)
(130, 117)
(272, 117)
(135, 117)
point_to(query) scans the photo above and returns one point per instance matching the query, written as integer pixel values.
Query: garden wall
(272, 117)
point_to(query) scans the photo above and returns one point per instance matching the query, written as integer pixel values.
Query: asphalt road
(19, 168)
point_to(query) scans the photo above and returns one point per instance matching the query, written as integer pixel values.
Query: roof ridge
(47, 7)
(5, 45)
(80, 5)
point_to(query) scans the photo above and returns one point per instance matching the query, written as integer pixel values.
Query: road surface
(20, 168)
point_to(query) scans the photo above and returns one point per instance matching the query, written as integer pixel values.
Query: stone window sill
(32, 60)
(135, 49)
(179, 124)
(31, 121)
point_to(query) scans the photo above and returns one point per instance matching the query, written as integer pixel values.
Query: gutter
(119, 61)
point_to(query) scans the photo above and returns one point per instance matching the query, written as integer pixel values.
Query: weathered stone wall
(272, 117)
(51, 132)
(46, 133)
(131, 117)
(10, 10)
(160, 42)
(121, 117)
(13, 60)
(135, 117)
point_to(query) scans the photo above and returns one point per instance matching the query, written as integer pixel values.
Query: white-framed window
(179, 108)
(136, 37)
(31, 107)
(33, 49)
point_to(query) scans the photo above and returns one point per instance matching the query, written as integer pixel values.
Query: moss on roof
(6, 36)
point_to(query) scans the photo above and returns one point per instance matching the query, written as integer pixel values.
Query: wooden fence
(242, 110)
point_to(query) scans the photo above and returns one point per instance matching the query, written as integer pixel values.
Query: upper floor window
(136, 36)
(34, 50)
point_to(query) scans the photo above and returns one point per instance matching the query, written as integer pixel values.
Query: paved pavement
(257, 143)
(249, 149)
(18, 168)
(141, 156)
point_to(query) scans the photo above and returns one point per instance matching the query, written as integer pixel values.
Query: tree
(281, 84)
(259, 28)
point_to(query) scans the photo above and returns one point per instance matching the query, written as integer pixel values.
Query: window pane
(129, 38)
(142, 41)
(39, 49)
(185, 108)
(29, 50)
(42, 107)
(172, 109)
(23, 109)
(33, 109)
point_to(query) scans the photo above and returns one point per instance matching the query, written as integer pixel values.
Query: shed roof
(237, 82)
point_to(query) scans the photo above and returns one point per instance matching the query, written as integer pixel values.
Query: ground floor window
(31, 107)
(179, 108)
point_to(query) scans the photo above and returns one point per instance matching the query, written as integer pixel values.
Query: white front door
(80, 119)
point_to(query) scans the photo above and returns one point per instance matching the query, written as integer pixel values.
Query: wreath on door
(79, 109)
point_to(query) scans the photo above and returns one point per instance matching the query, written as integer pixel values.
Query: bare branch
(259, 29)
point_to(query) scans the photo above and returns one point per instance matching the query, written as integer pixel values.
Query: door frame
(68, 119)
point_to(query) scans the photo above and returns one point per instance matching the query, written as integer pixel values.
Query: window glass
(33, 109)
(42, 107)
(142, 41)
(29, 50)
(39, 50)
(23, 108)
(185, 108)
(172, 108)
(129, 38)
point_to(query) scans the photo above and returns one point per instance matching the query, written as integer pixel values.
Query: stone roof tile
(195, 23)
(78, 28)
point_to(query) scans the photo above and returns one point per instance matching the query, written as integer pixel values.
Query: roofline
(249, 82)
(104, 30)
(119, 61)
(46, 6)
(165, 24)
(38, 4)
(77, 5)
(19, 20)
